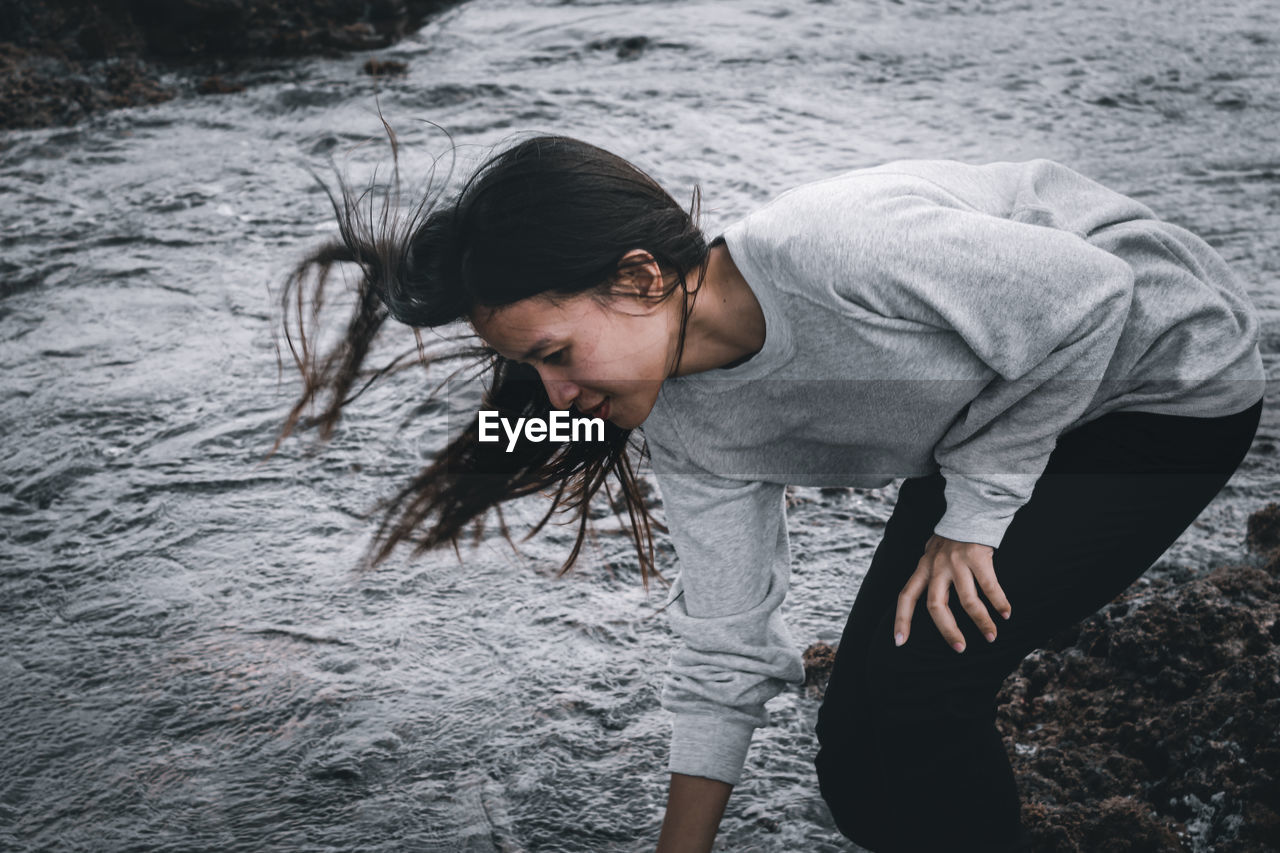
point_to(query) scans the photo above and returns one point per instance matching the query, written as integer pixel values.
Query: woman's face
(604, 357)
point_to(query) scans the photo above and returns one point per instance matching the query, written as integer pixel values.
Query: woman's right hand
(947, 563)
(695, 805)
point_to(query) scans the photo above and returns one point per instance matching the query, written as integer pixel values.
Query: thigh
(919, 507)
(1114, 496)
(1112, 499)
(1079, 542)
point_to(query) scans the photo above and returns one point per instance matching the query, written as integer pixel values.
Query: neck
(726, 325)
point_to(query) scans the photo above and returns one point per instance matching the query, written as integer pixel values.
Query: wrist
(695, 806)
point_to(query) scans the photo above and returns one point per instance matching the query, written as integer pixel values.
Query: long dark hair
(550, 214)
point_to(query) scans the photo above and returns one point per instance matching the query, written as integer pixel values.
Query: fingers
(907, 604)
(939, 592)
(969, 568)
(967, 592)
(985, 573)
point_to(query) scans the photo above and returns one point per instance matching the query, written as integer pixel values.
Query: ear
(640, 275)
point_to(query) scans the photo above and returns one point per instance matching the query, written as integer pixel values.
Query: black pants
(910, 758)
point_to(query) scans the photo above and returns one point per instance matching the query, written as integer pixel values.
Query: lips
(600, 411)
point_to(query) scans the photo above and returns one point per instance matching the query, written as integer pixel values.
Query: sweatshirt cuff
(703, 745)
(983, 531)
(974, 517)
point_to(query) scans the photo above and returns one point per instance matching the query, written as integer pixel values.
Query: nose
(561, 392)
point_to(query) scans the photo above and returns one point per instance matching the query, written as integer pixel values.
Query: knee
(847, 787)
(861, 792)
(897, 688)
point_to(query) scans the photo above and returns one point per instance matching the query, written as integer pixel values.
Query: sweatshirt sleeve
(734, 652)
(1039, 305)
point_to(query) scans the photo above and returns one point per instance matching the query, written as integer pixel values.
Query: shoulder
(854, 222)
(997, 188)
(865, 202)
(947, 181)
(862, 213)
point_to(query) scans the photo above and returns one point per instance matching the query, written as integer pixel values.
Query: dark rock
(63, 59)
(1263, 536)
(38, 90)
(818, 661)
(215, 85)
(1114, 824)
(385, 67)
(1170, 705)
(769, 824)
(629, 47)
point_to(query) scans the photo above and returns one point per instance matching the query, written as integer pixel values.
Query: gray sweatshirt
(920, 316)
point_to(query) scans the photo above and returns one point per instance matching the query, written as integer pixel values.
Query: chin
(622, 420)
(629, 419)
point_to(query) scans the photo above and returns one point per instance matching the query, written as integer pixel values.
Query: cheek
(645, 342)
(628, 351)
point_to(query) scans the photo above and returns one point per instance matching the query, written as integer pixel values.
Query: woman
(1064, 380)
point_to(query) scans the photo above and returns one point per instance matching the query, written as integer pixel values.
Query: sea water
(189, 659)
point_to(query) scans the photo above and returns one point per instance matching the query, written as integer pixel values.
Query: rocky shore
(61, 60)
(1154, 724)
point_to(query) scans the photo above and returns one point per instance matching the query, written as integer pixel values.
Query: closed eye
(556, 357)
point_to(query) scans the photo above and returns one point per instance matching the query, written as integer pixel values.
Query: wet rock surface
(819, 659)
(60, 61)
(1155, 723)
(1263, 536)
